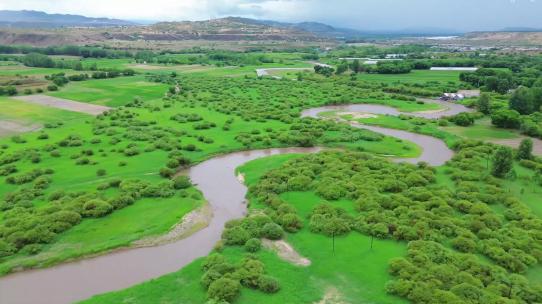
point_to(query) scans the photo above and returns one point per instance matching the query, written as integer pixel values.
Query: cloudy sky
(464, 15)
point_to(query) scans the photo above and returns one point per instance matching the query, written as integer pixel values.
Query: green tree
(341, 68)
(506, 119)
(78, 66)
(335, 226)
(356, 66)
(38, 60)
(522, 101)
(525, 150)
(502, 162)
(484, 103)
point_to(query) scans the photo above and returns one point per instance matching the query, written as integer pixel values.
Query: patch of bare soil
(189, 224)
(332, 296)
(286, 252)
(64, 104)
(11, 128)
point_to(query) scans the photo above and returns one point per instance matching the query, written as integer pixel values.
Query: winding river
(74, 281)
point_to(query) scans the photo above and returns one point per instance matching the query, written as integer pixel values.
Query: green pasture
(112, 92)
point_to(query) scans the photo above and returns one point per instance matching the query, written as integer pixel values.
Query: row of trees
(71, 50)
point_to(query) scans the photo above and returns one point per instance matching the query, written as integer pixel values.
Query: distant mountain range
(39, 28)
(35, 19)
(329, 31)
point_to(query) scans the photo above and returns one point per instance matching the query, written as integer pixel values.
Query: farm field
(414, 76)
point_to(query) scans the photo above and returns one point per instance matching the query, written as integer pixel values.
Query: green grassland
(112, 92)
(355, 269)
(146, 217)
(19, 69)
(416, 76)
(352, 273)
(422, 126)
(224, 109)
(27, 113)
(481, 130)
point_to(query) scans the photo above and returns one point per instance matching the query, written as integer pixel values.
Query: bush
(167, 172)
(101, 172)
(52, 88)
(235, 236)
(121, 201)
(224, 289)
(291, 222)
(268, 284)
(96, 208)
(464, 244)
(272, 231)
(253, 245)
(6, 249)
(182, 182)
(506, 119)
(209, 277)
(463, 119)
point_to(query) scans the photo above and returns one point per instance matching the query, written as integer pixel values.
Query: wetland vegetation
(346, 223)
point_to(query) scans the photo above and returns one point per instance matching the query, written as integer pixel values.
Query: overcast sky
(464, 15)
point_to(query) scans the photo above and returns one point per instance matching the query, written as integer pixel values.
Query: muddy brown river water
(75, 281)
(79, 280)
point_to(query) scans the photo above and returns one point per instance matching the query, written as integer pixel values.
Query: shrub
(121, 201)
(182, 182)
(268, 284)
(6, 249)
(224, 289)
(167, 172)
(506, 119)
(253, 245)
(212, 260)
(463, 119)
(235, 236)
(209, 277)
(464, 244)
(101, 172)
(272, 231)
(96, 208)
(291, 222)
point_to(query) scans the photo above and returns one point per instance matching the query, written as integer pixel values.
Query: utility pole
(333, 234)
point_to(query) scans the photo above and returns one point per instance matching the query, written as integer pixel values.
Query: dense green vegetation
(372, 230)
(125, 156)
(468, 241)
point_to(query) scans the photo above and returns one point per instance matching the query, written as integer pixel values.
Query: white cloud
(155, 9)
(362, 14)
